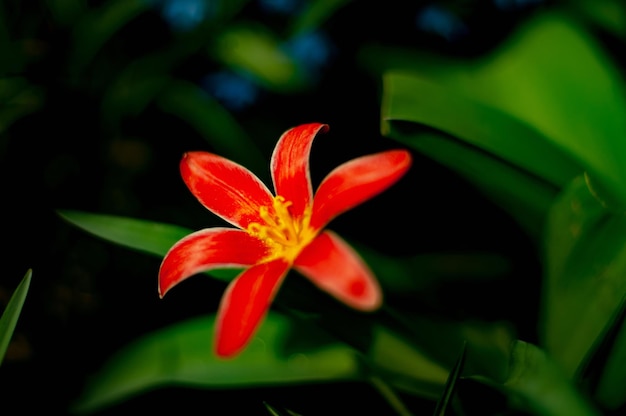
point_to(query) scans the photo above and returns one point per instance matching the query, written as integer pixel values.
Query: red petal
(208, 249)
(225, 188)
(245, 304)
(357, 181)
(290, 165)
(335, 267)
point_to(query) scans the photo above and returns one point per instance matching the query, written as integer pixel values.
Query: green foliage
(540, 386)
(546, 143)
(446, 398)
(11, 313)
(585, 283)
(181, 355)
(526, 122)
(389, 353)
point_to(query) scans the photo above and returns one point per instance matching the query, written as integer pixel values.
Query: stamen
(280, 228)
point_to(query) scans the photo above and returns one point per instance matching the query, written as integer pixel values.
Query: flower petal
(208, 249)
(335, 267)
(290, 166)
(357, 181)
(245, 304)
(225, 188)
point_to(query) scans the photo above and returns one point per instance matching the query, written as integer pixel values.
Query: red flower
(275, 233)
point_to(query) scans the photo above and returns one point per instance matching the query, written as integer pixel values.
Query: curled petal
(336, 268)
(208, 249)
(357, 181)
(290, 165)
(245, 304)
(225, 188)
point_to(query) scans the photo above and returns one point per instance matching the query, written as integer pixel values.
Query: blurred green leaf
(611, 390)
(11, 313)
(182, 355)
(216, 125)
(585, 284)
(455, 374)
(134, 89)
(65, 12)
(315, 13)
(275, 412)
(10, 50)
(610, 15)
(145, 236)
(272, 410)
(418, 354)
(18, 98)
(530, 77)
(537, 384)
(392, 357)
(602, 372)
(97, 25)
(255, 50)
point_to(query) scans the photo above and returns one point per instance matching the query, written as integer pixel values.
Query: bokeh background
(99, 100)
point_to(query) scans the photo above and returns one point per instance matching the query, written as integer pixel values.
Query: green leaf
(18, 98)
(315, 13)
(537, 384)
(11, 313)
(602, 373)
(419, 352)
(530, 77)
(141, 235)
(65, 12)
(255, 50)
(446, 397)
(611, 390)
(182, 355)
(610, 15)
(146, 236)
(97, 26)
(585, 284)
(272, 410)
(393, 358)
(275, 412)
(482, 127)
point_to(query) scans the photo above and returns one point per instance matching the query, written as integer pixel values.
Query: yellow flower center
(284, 233)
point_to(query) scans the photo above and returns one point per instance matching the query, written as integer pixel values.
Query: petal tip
(226, 352)
(371, 303)
(228, 347)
